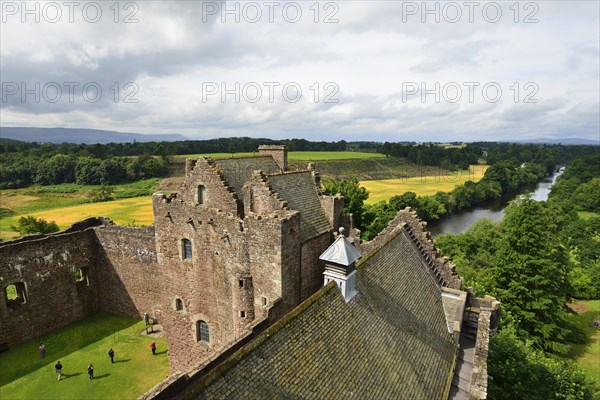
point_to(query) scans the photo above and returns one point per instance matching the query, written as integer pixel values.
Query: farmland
(422, 185)
(300, 155)
(68, 203)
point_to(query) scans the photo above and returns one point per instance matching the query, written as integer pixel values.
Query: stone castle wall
(127, 271)
(46, 267)
(311, 267)
(70, 275)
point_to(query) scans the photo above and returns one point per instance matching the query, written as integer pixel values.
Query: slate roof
(341, 252)
(389, 342)
(298, 189)
(237, 171)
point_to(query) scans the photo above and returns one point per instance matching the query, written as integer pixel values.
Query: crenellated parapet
(441, 267)
(260, 198)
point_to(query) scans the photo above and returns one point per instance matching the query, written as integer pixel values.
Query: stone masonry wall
(53, 296)
(225, 251)
(312, 268)
(127, 271)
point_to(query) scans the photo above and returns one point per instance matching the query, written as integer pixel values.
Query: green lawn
(68, 203)
(587, 355)
(422, 186)
(24, 375)
(299, 155)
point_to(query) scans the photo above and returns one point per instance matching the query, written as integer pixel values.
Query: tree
(519, 371)
(532, 274)
(57, 169)
(354, 196)
(30, 224)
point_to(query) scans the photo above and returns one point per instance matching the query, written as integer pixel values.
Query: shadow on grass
(101, 376)
(122, 361)
(161, 352)
(24, 357)
(67, 376)
(582, 322)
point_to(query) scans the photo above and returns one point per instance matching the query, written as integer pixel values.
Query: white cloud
(371, 55)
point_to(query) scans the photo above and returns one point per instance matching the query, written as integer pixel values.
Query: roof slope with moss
(299, 191)
(389, 342)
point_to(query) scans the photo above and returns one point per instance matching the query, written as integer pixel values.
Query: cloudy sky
(353, 70)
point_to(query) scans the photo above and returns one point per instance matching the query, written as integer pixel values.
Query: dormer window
(201, 195)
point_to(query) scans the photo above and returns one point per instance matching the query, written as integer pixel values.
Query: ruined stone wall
(46, 266)
(127, 271)
(312, 268)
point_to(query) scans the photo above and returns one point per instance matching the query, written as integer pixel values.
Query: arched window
(15, 295)
(201, 194)
(178, 305)
(202, 334)
(186, 249)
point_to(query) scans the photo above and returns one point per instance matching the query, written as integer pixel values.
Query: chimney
(278, 152)
(340, 259)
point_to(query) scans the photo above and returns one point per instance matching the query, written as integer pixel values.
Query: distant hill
(561, 141)
(78, 136)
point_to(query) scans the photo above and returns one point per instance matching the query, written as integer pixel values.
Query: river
(461, 221)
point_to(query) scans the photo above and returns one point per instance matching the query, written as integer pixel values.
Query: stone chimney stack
(340, 260)
(278, 152)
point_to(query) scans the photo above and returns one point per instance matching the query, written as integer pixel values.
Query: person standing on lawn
(111, 354)
(58, 369)
(153, 347)
(42, 350)
(90, 371)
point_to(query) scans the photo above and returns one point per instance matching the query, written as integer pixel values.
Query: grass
(587, 355)
(422, 186)
(24, 375)
(585, 215)
(68, 203)
(299, 155)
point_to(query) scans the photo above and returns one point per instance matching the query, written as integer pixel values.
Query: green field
(69, 203)
(299, 155)
(24, 375)
(422, 186)
(587, 355)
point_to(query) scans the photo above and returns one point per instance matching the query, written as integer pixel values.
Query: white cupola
(340, 259)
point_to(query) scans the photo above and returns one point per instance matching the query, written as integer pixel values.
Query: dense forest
(538, 258)
(24, 164)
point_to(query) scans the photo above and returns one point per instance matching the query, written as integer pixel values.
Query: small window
(242, 314)
(202, 334)
(186, 249)
(265, 301)
(178, 305)
(81, 275)
(15, 295)
(241, 283)
(201, 194)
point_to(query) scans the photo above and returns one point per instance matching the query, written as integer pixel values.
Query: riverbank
(459, 222)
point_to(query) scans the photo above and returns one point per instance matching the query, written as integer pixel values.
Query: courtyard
(25, 375)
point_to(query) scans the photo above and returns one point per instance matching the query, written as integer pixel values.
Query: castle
(234, 270)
